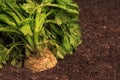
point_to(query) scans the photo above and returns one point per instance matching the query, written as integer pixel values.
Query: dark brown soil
(97, 58)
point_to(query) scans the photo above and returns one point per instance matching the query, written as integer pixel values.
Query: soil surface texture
(97, 58)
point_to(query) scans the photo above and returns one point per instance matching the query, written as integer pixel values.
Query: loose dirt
(97, 58)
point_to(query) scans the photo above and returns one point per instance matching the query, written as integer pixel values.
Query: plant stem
(40, 20)
(36, 39)
(30, 41)
(58, 6)
(16, 11)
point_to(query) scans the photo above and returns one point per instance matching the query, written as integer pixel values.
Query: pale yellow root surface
(41, 63)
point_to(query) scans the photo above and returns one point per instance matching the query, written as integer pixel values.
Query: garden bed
(97, 58)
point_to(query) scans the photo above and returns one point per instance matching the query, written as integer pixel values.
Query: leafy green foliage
(3, 56)
(32, 25)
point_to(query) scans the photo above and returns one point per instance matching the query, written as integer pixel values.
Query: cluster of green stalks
(27, 27)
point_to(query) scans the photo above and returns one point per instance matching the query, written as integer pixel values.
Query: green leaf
(26, 29)
(59, 55)
(3, 49)
(13, 62)
(3, 56)
(47, 1)
(58, 20)
(6, 19)
(66, 43)
(4, 1)
(1, 65)
(29, 7)
(62, 17)
(4, 61)
(72, 41)
(0, 57)
(9, 29)
(69, 3)
(55, 29)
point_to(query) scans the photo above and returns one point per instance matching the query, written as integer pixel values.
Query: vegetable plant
(28, 27)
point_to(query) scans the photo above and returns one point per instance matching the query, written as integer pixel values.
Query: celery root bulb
(38, 63)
